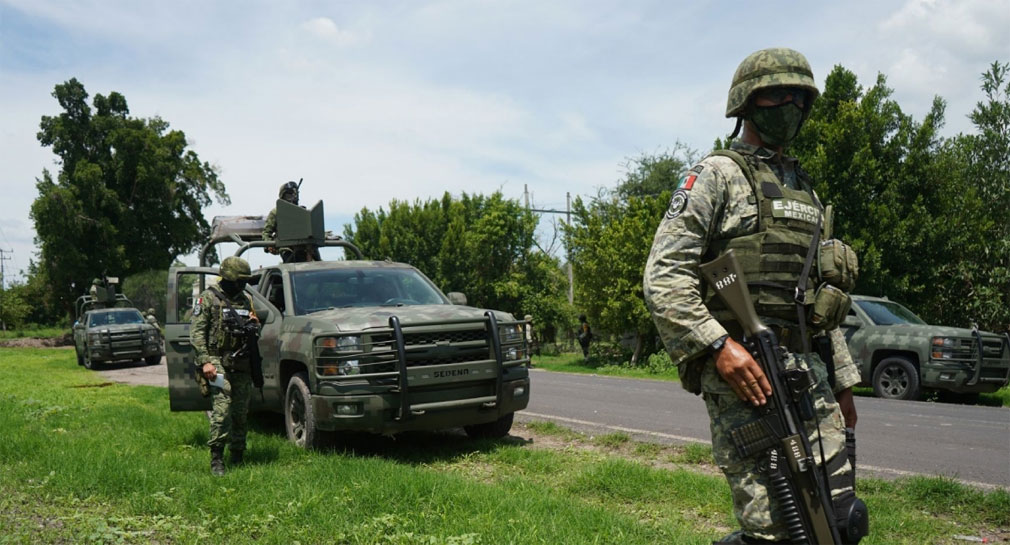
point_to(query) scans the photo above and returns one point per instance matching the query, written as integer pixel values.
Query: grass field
(574, 363)
(84, 461)
(36, 332)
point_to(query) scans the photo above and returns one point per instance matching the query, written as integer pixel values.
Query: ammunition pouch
(837, 264)
(829, 307)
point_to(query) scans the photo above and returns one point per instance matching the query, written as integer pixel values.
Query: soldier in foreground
(759, 203)
(223, 320)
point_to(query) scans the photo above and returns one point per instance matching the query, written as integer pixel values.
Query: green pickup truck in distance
(358, 345)
(108, 329)
(902, 357)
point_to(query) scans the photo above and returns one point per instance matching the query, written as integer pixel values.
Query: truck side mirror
(852, 321)
(457, 298)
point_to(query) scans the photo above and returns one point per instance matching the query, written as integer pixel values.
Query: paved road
(895, 438)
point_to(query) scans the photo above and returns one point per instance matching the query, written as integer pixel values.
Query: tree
(910, 202)
(609, 242)
(481, 245)
(128, 197)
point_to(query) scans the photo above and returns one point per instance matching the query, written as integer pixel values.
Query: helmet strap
(736, 130)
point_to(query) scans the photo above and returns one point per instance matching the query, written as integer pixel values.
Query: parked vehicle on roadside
(358, 345)
(901, 356)
(114, 334)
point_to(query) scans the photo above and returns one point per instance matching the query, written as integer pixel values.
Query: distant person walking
(585, 335)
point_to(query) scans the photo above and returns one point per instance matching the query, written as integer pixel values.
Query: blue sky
(369, 101)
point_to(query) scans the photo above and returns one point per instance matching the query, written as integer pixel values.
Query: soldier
(757, 201)
(585, 335)
(288, 192)
(151, 318)
(217, 316)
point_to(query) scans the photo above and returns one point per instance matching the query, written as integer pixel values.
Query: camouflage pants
(753, 503)
(231, 407)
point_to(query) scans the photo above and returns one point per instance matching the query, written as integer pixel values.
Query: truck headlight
(944, 342)
(94, 338)
(510, 333)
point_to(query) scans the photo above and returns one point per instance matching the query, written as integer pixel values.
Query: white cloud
(325, 29)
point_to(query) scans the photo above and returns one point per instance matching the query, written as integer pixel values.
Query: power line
(568, 221)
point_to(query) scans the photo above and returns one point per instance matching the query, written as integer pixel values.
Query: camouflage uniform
(716, 202)
(211, 343)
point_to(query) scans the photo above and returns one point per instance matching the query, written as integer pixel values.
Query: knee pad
(852, 517)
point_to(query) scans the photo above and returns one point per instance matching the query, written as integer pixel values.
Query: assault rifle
(249, 332)
(802, 490)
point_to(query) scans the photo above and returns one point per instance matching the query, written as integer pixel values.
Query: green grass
(83, 461)
(575, 363)
(38, 332)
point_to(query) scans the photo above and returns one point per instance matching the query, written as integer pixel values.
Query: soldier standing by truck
(757, 202)
(223, 321)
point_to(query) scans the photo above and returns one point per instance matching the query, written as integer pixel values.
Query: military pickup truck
(358, 345)
(108, 329)
(902, 356)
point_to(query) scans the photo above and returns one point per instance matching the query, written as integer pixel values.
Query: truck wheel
(299, 418)
(896, 378)
(153, 360)
(88, 364)
(491, 430)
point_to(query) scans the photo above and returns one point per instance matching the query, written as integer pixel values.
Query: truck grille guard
(980, 350)
(389, 353)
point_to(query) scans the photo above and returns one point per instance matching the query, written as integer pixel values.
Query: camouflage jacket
(211, 343)
(715, 201)
(270, 226)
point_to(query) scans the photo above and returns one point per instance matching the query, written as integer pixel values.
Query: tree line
(927, 215)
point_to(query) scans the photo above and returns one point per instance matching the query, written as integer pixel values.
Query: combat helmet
(289, 187)
(774, 67)
(235, 269)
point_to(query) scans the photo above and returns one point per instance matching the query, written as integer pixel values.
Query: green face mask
(777, 125)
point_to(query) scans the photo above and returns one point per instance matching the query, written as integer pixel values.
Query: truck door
(183, 289)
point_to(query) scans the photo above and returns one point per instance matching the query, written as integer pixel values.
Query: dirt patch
(36, 342)
(102, 385)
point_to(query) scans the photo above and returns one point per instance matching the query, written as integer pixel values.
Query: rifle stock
(778, 433)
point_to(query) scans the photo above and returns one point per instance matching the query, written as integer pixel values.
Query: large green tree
(912, 204)
(481, 245)
(609, 242)
(128, 196)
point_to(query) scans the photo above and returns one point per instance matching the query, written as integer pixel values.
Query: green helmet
(235, 268)
(289, 187)
(775, 67)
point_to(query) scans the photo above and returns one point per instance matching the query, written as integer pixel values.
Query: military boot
(217, 461)
(235, 456)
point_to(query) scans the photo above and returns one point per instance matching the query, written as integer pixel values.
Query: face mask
(777, 125)
(232, 287)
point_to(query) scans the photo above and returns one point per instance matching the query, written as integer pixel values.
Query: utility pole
(568, 220)
(3, 257)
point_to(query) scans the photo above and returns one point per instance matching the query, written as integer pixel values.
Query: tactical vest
(772, 257)
(220, 341)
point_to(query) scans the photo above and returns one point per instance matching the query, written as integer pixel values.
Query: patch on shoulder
(677, 204)
(198, 307)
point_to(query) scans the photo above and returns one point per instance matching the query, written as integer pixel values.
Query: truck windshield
(116, 317)
(339, 288)
(889, 313)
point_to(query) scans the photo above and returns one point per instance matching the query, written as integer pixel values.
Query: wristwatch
(717, 345)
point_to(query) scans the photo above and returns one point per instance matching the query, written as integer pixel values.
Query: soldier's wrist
(717, 345)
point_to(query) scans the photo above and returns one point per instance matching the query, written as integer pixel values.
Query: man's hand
(209, 371)
(736, 366)
(848, 406)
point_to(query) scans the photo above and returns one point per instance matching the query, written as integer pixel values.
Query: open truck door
(184, 285)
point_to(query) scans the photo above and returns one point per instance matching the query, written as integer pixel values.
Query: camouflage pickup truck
(902, 356)
(360, 345)
(108, 329)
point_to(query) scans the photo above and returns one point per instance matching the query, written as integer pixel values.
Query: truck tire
(896, 378)
(153, 360)
(88, 364)
(299, 415)
(491, 430)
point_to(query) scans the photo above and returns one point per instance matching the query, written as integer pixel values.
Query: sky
(370, 101)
